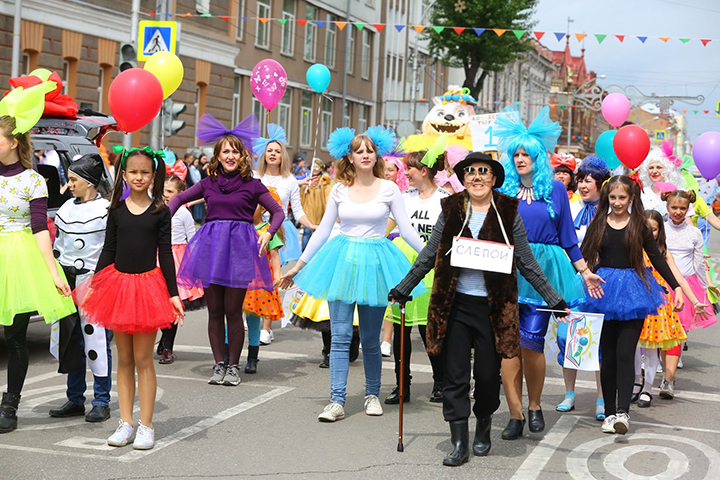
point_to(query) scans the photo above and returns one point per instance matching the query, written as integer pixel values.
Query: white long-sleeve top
(183, 226)
(368, 219)
(288, 190)
(685, 243)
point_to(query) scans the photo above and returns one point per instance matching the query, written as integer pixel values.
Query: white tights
(652, 360)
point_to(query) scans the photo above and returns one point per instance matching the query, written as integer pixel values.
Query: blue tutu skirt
(355, 270)
(626, 295)
(292, 249)
(225, 252)
(559, 271)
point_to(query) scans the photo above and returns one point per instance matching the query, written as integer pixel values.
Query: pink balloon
(616, 109)
(706, 153)
(268, 82)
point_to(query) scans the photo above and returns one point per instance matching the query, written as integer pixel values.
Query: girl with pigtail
(359, 266)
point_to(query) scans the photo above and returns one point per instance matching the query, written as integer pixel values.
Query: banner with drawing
(582, 341)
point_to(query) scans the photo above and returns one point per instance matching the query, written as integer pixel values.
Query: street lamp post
(413, 84)
(589, 97)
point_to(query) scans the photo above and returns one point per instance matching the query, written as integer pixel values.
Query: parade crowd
(379, 233)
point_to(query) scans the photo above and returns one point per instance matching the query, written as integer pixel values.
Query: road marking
(55, 452)
(35, 379)
(678, 462)
(86, 442)
(540, 455)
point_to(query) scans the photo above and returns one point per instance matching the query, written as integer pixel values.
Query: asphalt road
(268, 425)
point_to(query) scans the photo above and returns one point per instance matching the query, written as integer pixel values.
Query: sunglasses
(483, 172)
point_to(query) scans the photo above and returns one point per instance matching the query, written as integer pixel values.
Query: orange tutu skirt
(663, 330)
(126, 302)
(264, 303)
(185, 293)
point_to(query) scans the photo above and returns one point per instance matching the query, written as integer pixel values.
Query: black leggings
(225, 302)
(18, 358)
(435, 360)
(617, 370)
(168, 337)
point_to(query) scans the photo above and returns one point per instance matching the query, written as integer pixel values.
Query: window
(326, 121)
(235, 118)
(101, 76)
(66, 77)
(330, 36)
(350, 54)
(262, 38)
(287, 40)
(25, 64)
(310, 34)
(306, 115)
(260, 114)
(346, 114)
(197, 113)
(240, 22)
(202, 6)
(285, 112)
(366, 54)
(363, 118)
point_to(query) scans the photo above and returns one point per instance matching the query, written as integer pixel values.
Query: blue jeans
(307, 233)
(341, 327)
(76, 385)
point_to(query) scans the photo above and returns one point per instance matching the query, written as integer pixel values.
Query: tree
(487, 52)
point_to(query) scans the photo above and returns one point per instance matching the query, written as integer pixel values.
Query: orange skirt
(264, 303)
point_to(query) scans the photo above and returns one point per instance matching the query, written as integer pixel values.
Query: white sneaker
(680, 364)
(608, 425)
(122, 436)
(145, 438)
(333, 411)
(266, 337)
(372, 406)
(386, 349)
(622, 423)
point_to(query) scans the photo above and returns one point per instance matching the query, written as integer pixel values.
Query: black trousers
(435, 360)
(618, 341)
(18, 357)
(469, 327)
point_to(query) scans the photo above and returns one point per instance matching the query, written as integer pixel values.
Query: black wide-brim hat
(474, 157)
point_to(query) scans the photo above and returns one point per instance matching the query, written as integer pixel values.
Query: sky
(671, 68)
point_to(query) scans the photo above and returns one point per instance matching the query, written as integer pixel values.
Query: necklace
(526, 194)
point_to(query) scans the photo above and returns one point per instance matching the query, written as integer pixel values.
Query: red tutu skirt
(126, 302)
(185, 293)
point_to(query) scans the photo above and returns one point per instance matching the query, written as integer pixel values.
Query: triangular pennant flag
(706, 111)
(244, 19)
(459, 30)
(152, 14)
(705, 42)
(186, 15)
(479, 31)
(419, 28)
(283, 21)
(519, 33)
(600, 37)
(359, 25)
(264, 20)
(320, 23)
(225, 17)
(379, 26)
(684, 40)
(399, 28)
(685, 110)
(620, 37)
(538, 35)
(559, 36)
(664, 39)
(341, 25)
(580, 36)
(642, 39)
(209, 15)
(695, 111)
(562, 107)
(302, 22)
(499, 31)
(438, 29)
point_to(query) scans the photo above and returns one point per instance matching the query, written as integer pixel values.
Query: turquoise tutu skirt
(559, 271)
(626, 296)
(355, 270)
(292, 249)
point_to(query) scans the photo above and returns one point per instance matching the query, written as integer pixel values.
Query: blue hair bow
(339, 141)
(275, 134)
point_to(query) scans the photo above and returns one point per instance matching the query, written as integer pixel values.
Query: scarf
(586, 214)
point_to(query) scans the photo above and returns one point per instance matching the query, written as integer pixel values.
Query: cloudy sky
(671, 68)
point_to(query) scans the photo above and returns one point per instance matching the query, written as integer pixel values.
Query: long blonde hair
(24, 148)
(285, 164)
(345, 171)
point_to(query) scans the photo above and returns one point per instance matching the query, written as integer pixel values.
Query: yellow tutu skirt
(314, 314)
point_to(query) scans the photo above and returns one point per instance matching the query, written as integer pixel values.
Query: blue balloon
(605, 150)
(318, 77)
(170, 157)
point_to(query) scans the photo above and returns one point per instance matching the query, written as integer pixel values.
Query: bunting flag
(379, 27)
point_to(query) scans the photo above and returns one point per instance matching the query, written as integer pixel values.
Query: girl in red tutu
(130, 294)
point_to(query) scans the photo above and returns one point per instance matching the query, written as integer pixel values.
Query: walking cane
(400, 447)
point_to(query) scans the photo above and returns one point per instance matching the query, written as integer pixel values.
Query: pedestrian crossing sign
(156, 37)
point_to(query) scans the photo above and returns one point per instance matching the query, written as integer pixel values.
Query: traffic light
(171, 111)
(128, 56)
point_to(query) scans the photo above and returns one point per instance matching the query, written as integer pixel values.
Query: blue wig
(537, 140)
(595, 167)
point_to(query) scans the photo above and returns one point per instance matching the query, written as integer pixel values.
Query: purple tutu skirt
(225, 252)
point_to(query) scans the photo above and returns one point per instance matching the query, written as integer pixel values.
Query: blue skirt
(355, 270)
(559, 271)
(292, 249)
(626, 295)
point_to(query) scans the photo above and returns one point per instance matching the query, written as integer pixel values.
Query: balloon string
(267, 121)
(317, 128)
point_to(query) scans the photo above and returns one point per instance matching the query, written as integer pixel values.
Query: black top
(613, 253)
(135, 243)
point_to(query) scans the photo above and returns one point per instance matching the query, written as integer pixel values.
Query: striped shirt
(471, 281)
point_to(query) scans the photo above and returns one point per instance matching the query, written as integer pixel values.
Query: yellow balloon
(168, 68)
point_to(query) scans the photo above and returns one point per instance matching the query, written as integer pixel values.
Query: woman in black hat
(482, 304)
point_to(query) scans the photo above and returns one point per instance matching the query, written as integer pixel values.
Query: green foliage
(486, 52)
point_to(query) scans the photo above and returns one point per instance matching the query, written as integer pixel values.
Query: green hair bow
(154, 154)
(430, 158)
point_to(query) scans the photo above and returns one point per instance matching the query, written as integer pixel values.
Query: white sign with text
(482, 130)
(482, 255)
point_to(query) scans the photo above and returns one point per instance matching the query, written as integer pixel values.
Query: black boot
(514, 429)
(252, 361)
(460, 438)
(355, 346)
(326, 360)
(536, 421)
(8, 412)
(481, 444)
(394, 397)
(437, 393)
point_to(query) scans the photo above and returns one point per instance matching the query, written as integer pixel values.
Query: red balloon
(135, 98)
(631, 145)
